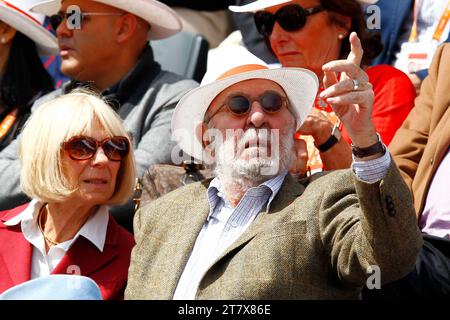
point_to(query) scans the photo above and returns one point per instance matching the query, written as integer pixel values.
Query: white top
(435, 219)
(43, 264)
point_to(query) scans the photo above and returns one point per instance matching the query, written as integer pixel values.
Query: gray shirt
(146, 98)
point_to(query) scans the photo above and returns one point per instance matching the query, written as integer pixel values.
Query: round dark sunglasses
(240, 104)
(290, 18)
(84, 148)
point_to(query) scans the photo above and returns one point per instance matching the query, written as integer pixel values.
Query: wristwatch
(332, 140)
(376, 148)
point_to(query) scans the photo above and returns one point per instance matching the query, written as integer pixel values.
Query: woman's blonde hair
(55, 122)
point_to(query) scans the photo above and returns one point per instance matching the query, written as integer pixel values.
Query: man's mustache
(254, 138)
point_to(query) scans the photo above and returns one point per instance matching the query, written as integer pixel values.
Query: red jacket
(109, 269)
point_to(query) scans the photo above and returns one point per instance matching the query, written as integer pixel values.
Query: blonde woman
(76, 161)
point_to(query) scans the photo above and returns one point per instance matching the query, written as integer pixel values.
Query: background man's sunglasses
(74, 17)
(84, 148)
(290, 18)
(241, 104)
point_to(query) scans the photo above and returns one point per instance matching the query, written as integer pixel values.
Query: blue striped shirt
(223, 226)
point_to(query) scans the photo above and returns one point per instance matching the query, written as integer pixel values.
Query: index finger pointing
(356, 51)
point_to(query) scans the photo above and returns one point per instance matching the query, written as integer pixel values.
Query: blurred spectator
(214, 12)
(206, 17)
(121, 66)
(53, 63)
(421, 150)
(411, 31)
(88, 165)
(296, 43)
(23, 78)
(252, 39)
(53, 66)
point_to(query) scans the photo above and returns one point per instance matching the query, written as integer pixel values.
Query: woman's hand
(319, 127)
(352, 96)
(299, 164)
(316, 125)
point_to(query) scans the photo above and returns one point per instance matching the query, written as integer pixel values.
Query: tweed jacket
(316, 242)
(422, 141)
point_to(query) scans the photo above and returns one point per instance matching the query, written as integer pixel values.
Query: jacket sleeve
(394, 99)
(372, 228)
(156, 144)
(409, 142)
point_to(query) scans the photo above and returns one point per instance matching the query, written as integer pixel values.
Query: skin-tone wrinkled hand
(316, 125)
(319, 127)
(299, 164)
(353, 107)
(338, 157)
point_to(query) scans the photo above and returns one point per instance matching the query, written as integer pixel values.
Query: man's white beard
(233, 170)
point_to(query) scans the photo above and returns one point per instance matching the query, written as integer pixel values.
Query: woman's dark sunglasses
(290, 18)
(84, 148)
(240, 104)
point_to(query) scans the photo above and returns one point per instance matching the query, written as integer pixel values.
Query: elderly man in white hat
(23, 77)
(104, 44)
(254, 232)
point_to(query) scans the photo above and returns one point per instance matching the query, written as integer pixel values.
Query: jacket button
(390, 206)
(392, 212)
(388, 199)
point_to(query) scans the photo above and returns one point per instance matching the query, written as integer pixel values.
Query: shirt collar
(216, 196)
(93, 230)
(26, 214)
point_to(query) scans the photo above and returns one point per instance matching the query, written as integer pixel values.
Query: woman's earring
(340, 36)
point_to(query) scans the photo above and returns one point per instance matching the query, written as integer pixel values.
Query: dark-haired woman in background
(311, 33)
(23, 77)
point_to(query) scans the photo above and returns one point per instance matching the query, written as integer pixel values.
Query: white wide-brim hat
(163, 20)
(238, 64)
(16, 13)
(263, 4)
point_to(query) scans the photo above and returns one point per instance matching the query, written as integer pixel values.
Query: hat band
(22, 12)
(242, 69)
